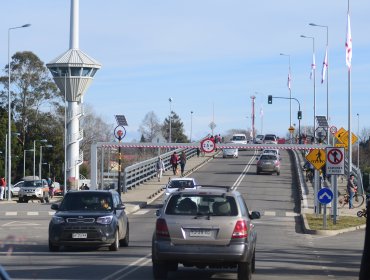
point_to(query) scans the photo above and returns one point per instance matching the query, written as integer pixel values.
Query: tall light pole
(191, 125)
(10, 113)
(34, 155)
(358, 141)
(40, 166)
(290, 93)
(313, 69)
(169, 137)
(253, 115)
(24, 161)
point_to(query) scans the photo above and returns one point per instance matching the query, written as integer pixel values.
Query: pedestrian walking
(160, 168)
(198, 152)
(2, 187)
(351, 189)
(182, 163)
(174, 162)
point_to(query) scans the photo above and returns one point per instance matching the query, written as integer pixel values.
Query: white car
(230, 152)
(270, 139)
(179, 183)
(14, 189)
(259, 139)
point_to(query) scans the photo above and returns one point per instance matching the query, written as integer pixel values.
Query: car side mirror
(120, 207)
(158, 212)
(255, 215)
(54, 206)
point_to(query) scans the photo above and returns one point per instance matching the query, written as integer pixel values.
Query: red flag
(348, 44)
(313, 65)
(324, 66)
(289, 80)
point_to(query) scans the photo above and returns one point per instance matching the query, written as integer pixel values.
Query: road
(283, 251)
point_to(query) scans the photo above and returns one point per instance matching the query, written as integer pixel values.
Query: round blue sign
(325, 195)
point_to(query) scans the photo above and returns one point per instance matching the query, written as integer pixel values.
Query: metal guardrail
(141, 172)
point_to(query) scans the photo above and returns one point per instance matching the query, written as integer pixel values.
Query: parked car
(34, 189)
(270, 139)
(179, 183)
(14, 190)
(89, 218)
(208, 227)
(259, 139)
(268, 163)
(230, 152)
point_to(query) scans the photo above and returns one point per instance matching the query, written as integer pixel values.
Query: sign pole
(335, 204)
(325, 220)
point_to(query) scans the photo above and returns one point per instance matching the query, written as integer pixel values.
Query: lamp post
(24, 160)
(290, 94)
(40, 166)
(326, 61)
(169, 137)
(358, 141)
(10, 113)
(313, 67)
(191, 124)
(34, 155)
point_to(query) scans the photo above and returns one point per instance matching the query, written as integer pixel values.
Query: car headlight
(57, 220)
(106, 220)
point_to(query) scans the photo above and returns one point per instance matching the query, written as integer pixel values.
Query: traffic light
(299, 115)
(269, 100)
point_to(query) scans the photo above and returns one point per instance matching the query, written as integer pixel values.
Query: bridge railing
(141, 172)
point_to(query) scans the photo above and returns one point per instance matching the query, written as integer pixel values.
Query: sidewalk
(146, 193)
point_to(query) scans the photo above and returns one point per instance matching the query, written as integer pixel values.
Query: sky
(209, 56)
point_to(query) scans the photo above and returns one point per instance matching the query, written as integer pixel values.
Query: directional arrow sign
(325, 195)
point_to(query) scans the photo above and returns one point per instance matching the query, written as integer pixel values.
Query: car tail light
(240, 230)
(161, 228)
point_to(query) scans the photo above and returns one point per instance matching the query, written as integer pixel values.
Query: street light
(34, 154)
(170, 100)
(24, 161)
(358, 141)
(191, 124)
(40, 165)
(290, 95)
(326, 61)
(10, 113)
(313, 66)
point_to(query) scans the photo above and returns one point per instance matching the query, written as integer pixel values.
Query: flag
(348, 44)
(289, 80)
(313, 65)
(324, 66)
(261, 112)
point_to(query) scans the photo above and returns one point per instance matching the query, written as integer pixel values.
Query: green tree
(177, 129)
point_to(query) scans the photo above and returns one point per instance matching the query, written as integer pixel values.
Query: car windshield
(84, 201)
(37, 183)
(270, 138)
(238, 138)
(202, 204)
(268, 157)
(270, 151)
(177, 184)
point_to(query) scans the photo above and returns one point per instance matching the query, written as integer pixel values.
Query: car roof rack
(228, 188)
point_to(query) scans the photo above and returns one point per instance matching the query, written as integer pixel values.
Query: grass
(316, 222)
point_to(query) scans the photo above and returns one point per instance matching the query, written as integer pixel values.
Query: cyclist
(351, 189)
(308, 167)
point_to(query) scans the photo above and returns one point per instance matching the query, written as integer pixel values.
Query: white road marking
(11, 213)
(141, 212)
(17, 223)
(32, 213)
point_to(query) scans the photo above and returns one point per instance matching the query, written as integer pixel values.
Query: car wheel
(20, 199)
(42, 200)
(159, 271)
(244, 271)
(124, 242)
(53, 248)
(278, 173)
(115, 245)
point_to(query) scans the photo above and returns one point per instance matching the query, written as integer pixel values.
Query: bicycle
(357, 200)
(309, 174)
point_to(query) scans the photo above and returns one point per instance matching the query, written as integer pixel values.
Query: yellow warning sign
(317, 157)
(340, 145)
(291, 129)
(342, 136)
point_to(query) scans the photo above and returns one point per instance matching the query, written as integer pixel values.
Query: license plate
(200, 233)
(79, 235)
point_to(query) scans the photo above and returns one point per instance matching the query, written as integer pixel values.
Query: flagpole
(349, 62)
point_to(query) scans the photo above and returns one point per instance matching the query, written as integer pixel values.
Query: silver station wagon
(204, 227)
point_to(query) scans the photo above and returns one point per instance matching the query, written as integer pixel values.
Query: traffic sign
(207, 145)
(333, 129)
(291, 129)
(334, 161)
(317, 157)
(340, 135)
(325, 195)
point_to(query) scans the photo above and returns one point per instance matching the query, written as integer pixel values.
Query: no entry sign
(334, 161)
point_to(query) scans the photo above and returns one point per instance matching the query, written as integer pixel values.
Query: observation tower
(73, 72)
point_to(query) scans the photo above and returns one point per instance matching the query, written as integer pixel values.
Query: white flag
(324, 66)
(289, 80)
(261, 112)
(313, 65)
(348, 44)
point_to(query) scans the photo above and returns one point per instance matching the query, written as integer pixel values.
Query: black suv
(89, 218)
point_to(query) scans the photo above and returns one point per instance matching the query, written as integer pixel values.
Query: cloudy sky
(209, 56)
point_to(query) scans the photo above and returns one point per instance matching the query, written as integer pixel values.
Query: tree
(149, 127)
(177, 129)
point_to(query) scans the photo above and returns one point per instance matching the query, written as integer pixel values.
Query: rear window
(181, 184)
(268, 137)
(84, 201)
(268, 157)
(209, 205)
(239, 138)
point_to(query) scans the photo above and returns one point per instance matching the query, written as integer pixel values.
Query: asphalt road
(283, 251)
